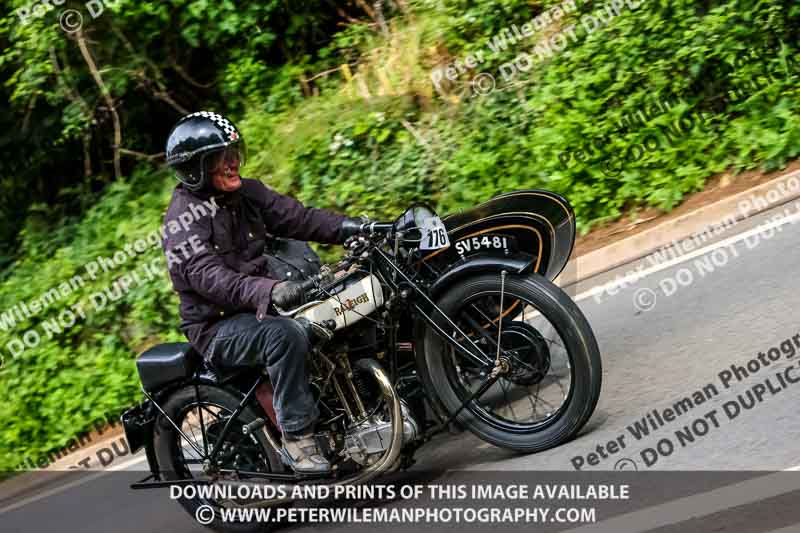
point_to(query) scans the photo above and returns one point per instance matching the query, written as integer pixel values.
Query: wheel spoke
(484, 316)
(477, 327)
(485, 335)
(505, 395)
(532, 356)
(192, 427)
(194, 446)
(533, 404)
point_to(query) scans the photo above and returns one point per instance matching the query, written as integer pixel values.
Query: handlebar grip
(377, 227)
(308, 284)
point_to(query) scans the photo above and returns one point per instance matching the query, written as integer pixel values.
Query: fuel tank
(356, 296)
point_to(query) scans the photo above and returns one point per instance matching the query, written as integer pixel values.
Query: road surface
(690, 327)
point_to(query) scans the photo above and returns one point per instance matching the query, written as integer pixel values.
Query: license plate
(486, 242)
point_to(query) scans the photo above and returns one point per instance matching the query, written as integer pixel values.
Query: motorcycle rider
(215, 232)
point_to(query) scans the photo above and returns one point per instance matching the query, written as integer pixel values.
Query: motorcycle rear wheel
(177, 460)
(474, 305)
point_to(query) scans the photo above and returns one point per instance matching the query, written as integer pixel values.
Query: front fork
(471, 351)
(494, 369)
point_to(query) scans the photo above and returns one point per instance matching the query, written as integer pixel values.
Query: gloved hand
(352, 226)
(288, 294)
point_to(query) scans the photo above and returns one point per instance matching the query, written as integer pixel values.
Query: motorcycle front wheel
(553, 372)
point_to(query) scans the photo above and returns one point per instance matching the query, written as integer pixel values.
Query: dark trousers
(279, 344)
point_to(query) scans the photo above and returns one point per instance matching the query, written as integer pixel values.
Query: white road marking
(77, 483)
(791, 529)
(51, 492)
(699, 505)
(636, 276)
(142, 459)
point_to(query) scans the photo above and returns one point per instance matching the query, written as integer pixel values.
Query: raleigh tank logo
(350, 303)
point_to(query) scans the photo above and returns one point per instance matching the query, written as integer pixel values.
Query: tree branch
(413, 131)
(28, 112)
(140, 155)
(368, 10)
(380, 19)
(87, 56)
(160, 90)
(74, 96)
(402, 5)
(183, 74)
(326, 72)
(341, 12)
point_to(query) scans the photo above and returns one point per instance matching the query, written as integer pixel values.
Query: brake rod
(474, 396)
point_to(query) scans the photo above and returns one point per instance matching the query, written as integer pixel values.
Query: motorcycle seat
(165, 363)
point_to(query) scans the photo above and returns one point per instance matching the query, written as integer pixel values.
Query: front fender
(481, 264)
(542, 223)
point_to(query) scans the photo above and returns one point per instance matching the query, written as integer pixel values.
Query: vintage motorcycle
(430, 324)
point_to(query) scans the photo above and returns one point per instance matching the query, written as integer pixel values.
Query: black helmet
(196, 145)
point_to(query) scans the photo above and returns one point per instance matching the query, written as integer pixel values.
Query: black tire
(168, 451)
(436, 368)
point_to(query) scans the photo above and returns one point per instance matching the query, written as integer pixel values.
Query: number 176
(437, 237)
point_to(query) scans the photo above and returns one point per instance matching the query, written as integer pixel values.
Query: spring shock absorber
(348, 377)
(363, 385)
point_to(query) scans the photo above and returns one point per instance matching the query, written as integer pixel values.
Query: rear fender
(139, 421)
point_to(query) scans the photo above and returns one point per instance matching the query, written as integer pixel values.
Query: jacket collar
(219, 197)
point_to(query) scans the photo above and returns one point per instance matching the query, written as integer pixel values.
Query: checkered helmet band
(230, 131)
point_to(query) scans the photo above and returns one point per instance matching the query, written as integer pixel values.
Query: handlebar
(368, 228)
(309, 284)
(371, 228)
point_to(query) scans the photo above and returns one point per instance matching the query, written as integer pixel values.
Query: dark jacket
(214, 245)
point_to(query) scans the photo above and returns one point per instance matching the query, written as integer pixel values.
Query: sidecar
(526, 230)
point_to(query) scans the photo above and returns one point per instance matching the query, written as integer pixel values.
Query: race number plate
(434, 234)
(486, 242)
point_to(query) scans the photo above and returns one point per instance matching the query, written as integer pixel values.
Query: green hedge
(57, 386)
(725, 79)
(725, 69)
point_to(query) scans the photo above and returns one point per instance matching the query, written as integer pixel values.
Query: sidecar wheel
(553, 381)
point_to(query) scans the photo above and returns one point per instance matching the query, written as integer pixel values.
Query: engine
(366, 441)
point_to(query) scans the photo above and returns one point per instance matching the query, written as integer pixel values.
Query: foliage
(365, 156)
(56, 388)
(370, 145)
(152, 62)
